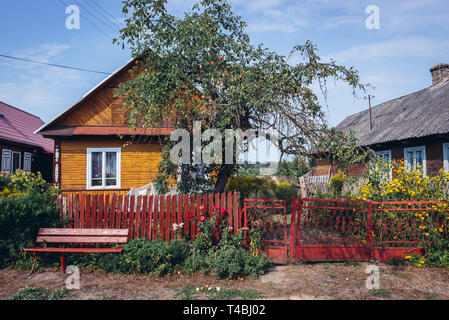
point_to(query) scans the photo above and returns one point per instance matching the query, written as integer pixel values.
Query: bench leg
(34, 263)
(63, 266)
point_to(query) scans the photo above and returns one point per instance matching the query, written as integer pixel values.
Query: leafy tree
(295, 168)
(342, 149)
(203, 67)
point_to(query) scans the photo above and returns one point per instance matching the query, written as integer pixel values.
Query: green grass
(37, 293)
(380, 293)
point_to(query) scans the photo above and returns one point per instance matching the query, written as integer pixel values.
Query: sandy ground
(293, 282)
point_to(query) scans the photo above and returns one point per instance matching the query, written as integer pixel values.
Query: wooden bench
(79, 241)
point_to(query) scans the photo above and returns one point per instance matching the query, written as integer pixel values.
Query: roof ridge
(380, 104)
(6, 104)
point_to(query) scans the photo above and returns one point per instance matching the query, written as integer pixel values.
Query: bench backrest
(93, 236)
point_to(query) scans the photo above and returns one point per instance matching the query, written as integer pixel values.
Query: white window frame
(388, 153)
(89, 168)
(445, 156)
(12, 160)
(414, 149)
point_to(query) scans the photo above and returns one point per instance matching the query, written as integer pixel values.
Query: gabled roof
(18, 126)
(419, 114)
(98, 87)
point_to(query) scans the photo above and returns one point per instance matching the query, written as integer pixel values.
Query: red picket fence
(150, 217)
(314, 230)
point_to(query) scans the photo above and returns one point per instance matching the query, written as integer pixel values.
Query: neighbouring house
(413, 128)
(20, 147)
(94, 147)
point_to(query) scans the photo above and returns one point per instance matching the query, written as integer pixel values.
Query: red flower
(223, 210)
(191, 215)
(202, 208)
(221, 58)
(215, 208)
(202, 219)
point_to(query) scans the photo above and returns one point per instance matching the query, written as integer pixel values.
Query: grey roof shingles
(419, 114)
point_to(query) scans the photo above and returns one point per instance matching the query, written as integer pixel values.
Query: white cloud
(409, 47)
(37, 88)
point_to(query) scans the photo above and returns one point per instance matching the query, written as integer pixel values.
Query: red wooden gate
(329, 230)
(270, 217)
(341, 230)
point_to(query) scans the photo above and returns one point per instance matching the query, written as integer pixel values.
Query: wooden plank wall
(139, 161)
(150, 217)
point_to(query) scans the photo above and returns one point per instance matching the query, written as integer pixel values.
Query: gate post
(292, 230)
(369, 230)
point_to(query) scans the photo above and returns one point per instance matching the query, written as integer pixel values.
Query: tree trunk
(226, 170)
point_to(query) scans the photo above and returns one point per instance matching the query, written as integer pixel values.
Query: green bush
(139, 256)
(336, 184)
(23, 181)
(230, 262)
(37, 293)
(249, 187)
(20, 220)
(228, 257)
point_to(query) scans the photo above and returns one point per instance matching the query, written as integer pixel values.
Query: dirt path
(307, 281)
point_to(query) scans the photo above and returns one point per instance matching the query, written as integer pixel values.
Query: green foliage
(37, 293)
(4, 180)
(380, 293)
(202, 66)
(254, 187)
(336, 184)
(295, 168)
(20, 220)
(140, 256)
(23, 181)
(228, 256)
(342, 149)
(250, 187)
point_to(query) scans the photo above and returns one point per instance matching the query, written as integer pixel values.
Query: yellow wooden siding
(139, 161)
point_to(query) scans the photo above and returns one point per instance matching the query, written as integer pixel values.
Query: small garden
(27, 204)
(406, 206)
(216, 250)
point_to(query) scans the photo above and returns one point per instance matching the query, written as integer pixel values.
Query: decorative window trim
(89, 152)
(417, 148)
(445, 156)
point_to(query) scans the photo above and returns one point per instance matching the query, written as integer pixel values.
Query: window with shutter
(6, 160)
(27, 161)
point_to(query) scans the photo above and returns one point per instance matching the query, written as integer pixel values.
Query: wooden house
(413, 128)
(20, 148)
(94, 147)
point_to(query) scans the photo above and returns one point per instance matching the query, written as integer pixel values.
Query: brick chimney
(440, 73)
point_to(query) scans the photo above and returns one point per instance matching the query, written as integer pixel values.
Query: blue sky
(395, 59)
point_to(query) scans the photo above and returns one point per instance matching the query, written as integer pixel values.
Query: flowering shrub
(336, 184)
(20, 183)
(218, 250)
(405, 185)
